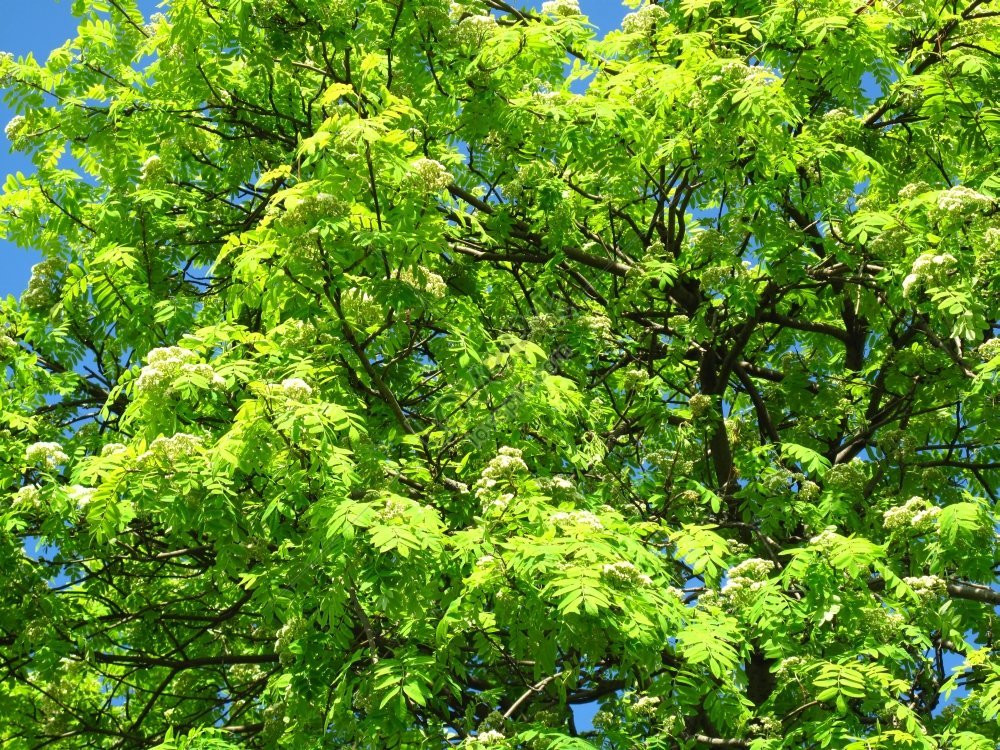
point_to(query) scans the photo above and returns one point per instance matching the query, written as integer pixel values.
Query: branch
(719, 742)
(532, 689)
(973, 592)
(178, 664)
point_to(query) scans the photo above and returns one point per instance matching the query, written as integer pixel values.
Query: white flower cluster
(6, 69)
(740, 592)
(242, 674)
(472, 31)
(754, 569)
(8, 347)
(826, 538)
(883, 624)
(846, 477)
(699, 404)
(501, 470)
(710, 243)
(558, 487)
(49, 454)
(499, 475)
(890, 242)
(430, 175)
(153, 170)
(156, 22)
(294, 389)
(646, 705)
(80, 495)
(488, 737)
(928, 270)
(603, 719)
(991, 239)
(14, 130)
(286, 635)
(30, 495)
(360, 308)
(644, 21)
(305, 211)
(624, 574)
(988, 349)
(166, 450)
(165, 365)
(577, 518)
(915, 513)
(394, 508)
(766, 726)
(561, 7)
(912, 190)
(927, 587)
(425, 280)
(635, 378)
(963, 201)
(113, 449)
(791, 666)
(43, 286)
(808, 491)
(598, 324)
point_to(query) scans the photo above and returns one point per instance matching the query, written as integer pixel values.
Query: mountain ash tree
(426, 374)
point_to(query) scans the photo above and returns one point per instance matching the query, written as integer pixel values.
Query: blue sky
(38, 26)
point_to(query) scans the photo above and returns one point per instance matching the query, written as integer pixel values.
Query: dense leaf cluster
(407, 374)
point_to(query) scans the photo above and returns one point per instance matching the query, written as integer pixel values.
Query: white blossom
(296, 389)
(962, 201)
(825, 538)
(49, 454)
(791, 666)
(767, 726)
(430, 176)
(927, 587)
(30, 495)
(741, 592)
(699, 404)
(625, 575)
(425, 280)
(499, 474)
(991, 239)
(43, 286)
(488, 737)
(562, 7)
(168, 364)
(305, 211)
(989, 349)
(113, 449)
(80, 495)
(576, 518)
(472, 31)
(168, 450)
(644, 21)
(915, 513)
(848, 477)
(912, 190)
(646, 705)
(7, 66)
(153, 170)
(14, 130)
(753, 568)
(155, 23)
(598, 324)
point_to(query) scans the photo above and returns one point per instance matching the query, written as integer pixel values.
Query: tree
(409, 374)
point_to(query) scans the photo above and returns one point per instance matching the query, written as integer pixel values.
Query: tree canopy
(411, 373)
